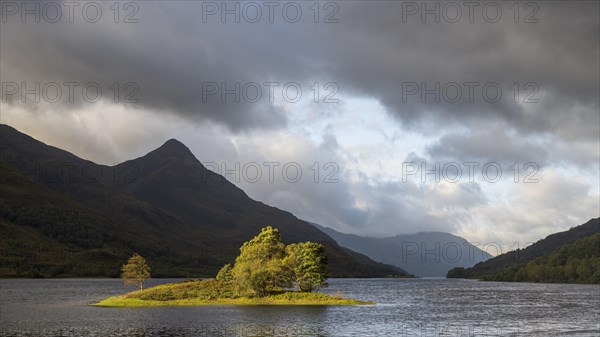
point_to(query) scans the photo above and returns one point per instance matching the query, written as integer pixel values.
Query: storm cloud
(431, 83)
(375, 49)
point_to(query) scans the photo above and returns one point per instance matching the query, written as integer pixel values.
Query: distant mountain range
(425, 254)
(63, 216)
(571, 256)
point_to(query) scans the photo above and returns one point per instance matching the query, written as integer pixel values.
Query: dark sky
(394, 87)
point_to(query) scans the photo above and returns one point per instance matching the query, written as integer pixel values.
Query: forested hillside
(572, 256)
(62, 216)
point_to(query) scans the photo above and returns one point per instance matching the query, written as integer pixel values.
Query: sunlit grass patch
(213, 292)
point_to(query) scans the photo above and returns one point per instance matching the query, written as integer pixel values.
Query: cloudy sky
(374, 92)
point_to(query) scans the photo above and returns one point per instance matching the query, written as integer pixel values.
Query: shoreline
(122, 302)
(211, 292)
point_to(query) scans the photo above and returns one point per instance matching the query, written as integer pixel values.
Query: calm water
(421, 307)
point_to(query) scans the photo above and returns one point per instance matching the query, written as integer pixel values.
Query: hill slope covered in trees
(63, 216)
(572, 256)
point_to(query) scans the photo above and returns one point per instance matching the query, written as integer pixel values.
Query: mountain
(569, 256)
(426, 254)
(61, 215)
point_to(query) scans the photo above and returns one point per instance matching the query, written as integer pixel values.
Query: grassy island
(214, 292)
(262, 274)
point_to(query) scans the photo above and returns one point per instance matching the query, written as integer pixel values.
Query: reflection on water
(420, 307)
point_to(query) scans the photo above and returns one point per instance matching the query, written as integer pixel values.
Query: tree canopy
(304, 265)
(225, 273)
(135, 271)
(266, 264)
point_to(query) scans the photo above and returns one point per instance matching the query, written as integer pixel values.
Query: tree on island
(258, 267)
(225, 274)
(262, 274)
(135, 271)
(304, 265)
(266, 264)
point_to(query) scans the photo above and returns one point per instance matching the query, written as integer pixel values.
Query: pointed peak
(174, 143)
(173, 148)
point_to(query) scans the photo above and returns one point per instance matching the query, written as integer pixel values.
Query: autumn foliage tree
(135, 271)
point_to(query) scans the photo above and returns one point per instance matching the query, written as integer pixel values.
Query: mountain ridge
(187, 220)
(425, 254)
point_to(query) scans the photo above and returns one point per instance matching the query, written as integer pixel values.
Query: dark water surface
(419, 307)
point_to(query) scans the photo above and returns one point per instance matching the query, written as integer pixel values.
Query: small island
(266, 272)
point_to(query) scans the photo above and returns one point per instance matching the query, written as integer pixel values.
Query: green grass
(212, 292)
